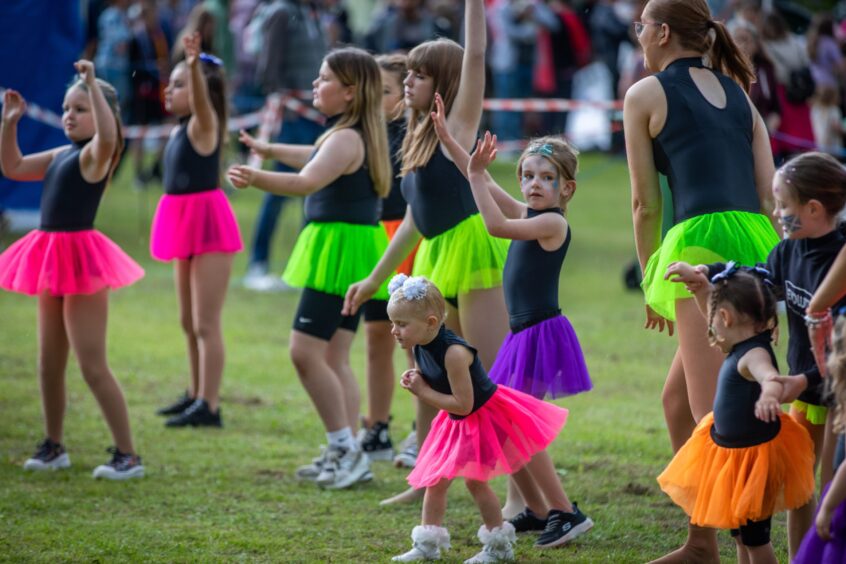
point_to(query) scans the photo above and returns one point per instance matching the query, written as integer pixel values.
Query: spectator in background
(609, 22)
(827, 119)
(336, 23)
(201, 20)
(112, 57)
(293, 45)
(763, 91)
(224, 47)
(246, 94)
(827, 62)
(401, 26)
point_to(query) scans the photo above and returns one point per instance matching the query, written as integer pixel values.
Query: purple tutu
(543, 360)
(814, 550)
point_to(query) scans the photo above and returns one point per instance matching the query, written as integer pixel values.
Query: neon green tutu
(464, 258)
(744, 237)
(328, 257)
(816, 414)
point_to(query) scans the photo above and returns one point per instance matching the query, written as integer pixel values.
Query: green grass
(230, 495)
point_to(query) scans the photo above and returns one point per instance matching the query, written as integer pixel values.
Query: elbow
(645, 211)
(465, 408)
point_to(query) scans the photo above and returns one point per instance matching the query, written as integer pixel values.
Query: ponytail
(727, 58)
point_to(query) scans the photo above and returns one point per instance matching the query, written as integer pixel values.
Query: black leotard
(393, 207)
(735, 424)
(530, 279)
(68, 201)
(705, 152)
(430, 361)
(185, 170)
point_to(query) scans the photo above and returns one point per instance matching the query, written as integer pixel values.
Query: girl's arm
(95, 159)
(341, 153)
(835, 496)
(832, 288)
(549, 228)
(757, 365)
(764, 168)
(466, 111)
(457, 360)
(405, 238)
(203, 125)
(695, 280)
(294, 156)
(13, 164)
(510, 206)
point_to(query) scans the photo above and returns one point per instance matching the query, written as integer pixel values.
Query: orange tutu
(391, 226)
(725, 488)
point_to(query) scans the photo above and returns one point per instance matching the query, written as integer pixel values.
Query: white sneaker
(49, 456)
(407, 456)
(498, 544)
(427, 542)
(259, 279)
(122, 466)
(346, 468)
(310, 472)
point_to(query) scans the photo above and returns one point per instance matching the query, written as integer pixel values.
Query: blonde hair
(396, 64)
(563, 156)
(837, 373)
(111, 96)
(431, 302)
(441, 59)
(356, 67)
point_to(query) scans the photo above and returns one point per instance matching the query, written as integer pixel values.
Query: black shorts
(319, 315)
(376, 310)
(754, 533)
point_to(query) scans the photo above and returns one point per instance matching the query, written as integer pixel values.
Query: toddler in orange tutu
(747, 460)
(482, 431)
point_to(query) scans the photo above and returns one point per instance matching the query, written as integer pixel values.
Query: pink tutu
(188, 225)
(66, 262)
(499, 438)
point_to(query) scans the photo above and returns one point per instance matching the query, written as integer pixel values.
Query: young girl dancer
(456, 252)
(826, 542)
(542, 354)
(71, 266)
(747, 460)
(482, 430)
(375, 438)
(195, 227)
(342, 180)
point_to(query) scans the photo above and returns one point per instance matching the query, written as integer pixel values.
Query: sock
(342, 438)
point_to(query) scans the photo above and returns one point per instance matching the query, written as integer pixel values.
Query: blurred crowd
(538, 48)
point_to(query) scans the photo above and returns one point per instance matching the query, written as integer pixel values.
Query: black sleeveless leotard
(705, 152)
(185, 170)
(68, 201)
(430, 361)
(393, 207)
(530, 279)
(735, 424)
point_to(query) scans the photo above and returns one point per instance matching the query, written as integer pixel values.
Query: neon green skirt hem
(815, 414)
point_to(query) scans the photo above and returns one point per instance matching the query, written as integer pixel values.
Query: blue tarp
(41, 39)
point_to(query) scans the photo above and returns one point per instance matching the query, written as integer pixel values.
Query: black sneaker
(122, 466)
(563, 527)
(376, 442)
(198, 414)
(49, 456)
(178, 406)
(527, 520)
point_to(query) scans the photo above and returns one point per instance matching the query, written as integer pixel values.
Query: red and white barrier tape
(549, 105)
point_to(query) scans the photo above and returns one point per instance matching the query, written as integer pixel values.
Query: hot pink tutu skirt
(66, 262)
(188, 225)
(499, 438)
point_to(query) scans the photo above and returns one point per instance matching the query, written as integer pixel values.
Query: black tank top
(430, 362)
(530, 279)
(439, 195)
(735, 424)
(393, 207)
(185, 170)
(705, 152)
(350, 198)
(68, 201)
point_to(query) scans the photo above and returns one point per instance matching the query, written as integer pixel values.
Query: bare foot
(408, 496)
(689, 554)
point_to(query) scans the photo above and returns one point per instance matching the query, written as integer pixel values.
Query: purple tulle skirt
(543, 360)
(814, 550)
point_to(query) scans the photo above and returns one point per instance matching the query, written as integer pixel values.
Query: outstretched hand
(357, 294)
(191, 43)
(85, 69)
(14, 106)
(484, 154)
(260, 148)
(241, 176)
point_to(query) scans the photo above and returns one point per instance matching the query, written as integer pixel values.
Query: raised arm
(96, 157)
(294, 156)
(14, 165)
(341, 153)
(203, 125)
(466, 111)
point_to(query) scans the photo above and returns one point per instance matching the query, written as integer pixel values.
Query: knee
(205, 329)
(94, 371)
(673, 403)
(187, 323)
(302, 358)
(475, 487)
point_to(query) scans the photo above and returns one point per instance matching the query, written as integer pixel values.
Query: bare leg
(380, 371)
(677, 413)
(543, 479)
(209, 281)
(182, 278)
(484, 322)
(434, 503)
(338, 359)
(829, 447)
(52, 361)
(742, 553)
(762, 554)
(319, 380)
(486, 501)
(801, 519)
(86, 317)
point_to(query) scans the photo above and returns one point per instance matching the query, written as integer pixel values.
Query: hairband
(544, 149)
(209, 58)
(413, 288)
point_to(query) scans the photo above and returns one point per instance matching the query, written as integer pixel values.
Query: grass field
(230, 495)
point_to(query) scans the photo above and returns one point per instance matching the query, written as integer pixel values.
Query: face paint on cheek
(790, 224)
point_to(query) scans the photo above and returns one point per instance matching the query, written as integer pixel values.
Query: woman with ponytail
(693, 122)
